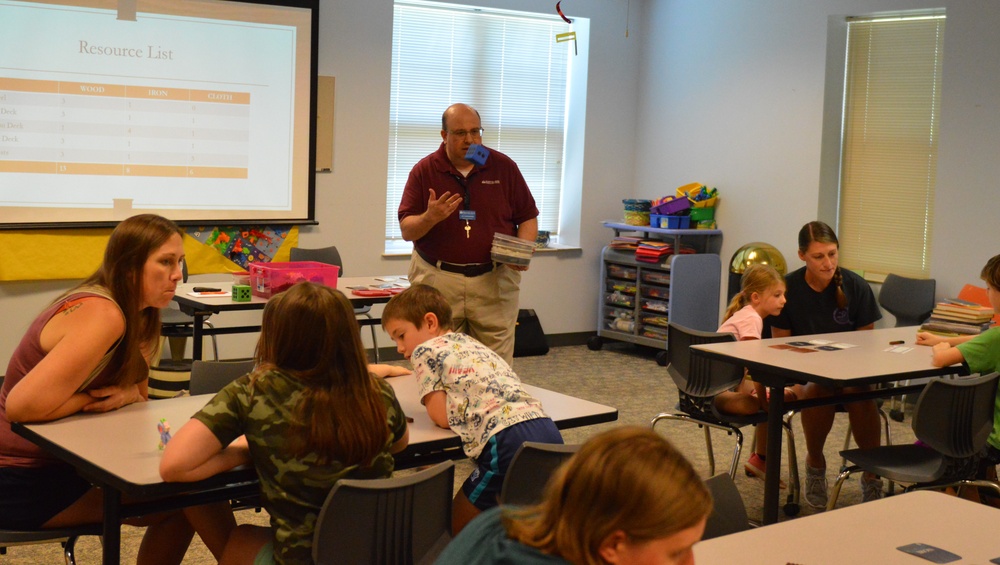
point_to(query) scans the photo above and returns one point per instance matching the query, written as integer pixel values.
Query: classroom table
(430, 443)
(118, 451)
(867, 533)
(201, 307)
(875, 357)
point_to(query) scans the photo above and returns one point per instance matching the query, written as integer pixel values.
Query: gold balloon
(757, 253)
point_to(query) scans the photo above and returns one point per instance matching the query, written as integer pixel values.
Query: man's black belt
(469, 270)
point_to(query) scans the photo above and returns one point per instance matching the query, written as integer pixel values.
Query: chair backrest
(695, 375)
(208, 377)
(909, 300)
(955, 416)
(530, 470)
(401, 520)
(977, 294)
(729, 514)
(328, 255)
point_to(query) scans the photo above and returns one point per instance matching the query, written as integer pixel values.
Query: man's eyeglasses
(464, 132)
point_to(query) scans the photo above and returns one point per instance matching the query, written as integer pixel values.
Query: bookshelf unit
(636, 298)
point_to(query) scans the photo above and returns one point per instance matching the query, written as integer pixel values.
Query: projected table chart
(60, 127)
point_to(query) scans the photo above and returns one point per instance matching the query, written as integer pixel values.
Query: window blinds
(889, 155)
(507, 65)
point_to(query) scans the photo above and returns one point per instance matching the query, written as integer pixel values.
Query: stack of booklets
(958, 317)
(626, 243)
(654, 251)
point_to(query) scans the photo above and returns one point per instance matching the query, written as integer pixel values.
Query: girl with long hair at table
(90, 351)
(762, 294)
(823, 297)
(309, 415)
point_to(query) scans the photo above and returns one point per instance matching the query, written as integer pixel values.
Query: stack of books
(653, 251)
(626, 243)
(958, 317)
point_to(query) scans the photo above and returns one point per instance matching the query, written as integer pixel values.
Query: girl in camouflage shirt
(309, 415)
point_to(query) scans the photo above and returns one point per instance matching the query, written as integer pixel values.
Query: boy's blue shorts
(482, 488)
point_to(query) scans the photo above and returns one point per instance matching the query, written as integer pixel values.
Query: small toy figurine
(164, 428)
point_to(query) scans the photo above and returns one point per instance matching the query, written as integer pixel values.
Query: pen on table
(897, 342)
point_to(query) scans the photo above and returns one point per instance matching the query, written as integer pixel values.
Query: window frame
(563, 220)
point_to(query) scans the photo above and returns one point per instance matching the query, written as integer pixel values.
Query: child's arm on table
(945, 354)
(928, 338)
(436, 404)
(194, 453)
(383, 370)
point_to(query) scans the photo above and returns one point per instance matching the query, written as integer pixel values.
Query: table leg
(197, 334)
(112, 527)
(772, 480)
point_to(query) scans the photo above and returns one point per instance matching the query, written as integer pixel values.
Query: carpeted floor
(620, 375)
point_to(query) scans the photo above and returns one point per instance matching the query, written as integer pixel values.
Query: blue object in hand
(477, 154)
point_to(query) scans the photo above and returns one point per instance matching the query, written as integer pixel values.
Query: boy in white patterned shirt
(469, 388)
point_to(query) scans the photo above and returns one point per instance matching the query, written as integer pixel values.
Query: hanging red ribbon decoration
(561, 14)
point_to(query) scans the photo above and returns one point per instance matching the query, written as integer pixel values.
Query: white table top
(866, 533)
(873, 359)
(220, 303)
(121, 447)
(565, 410)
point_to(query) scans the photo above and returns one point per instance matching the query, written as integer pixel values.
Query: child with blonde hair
(762, 294)
(628, 497)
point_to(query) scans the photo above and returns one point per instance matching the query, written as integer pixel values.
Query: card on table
(929, 552)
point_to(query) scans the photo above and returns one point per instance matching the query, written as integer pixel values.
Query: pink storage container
(268, 279)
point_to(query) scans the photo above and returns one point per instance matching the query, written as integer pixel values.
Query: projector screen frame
(8, 214)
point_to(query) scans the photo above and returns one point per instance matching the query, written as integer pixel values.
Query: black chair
(911, 301)
(208, 377)
(397, 521)
(729, 514)
(66, 536)
(530, 470)
(953, 418)
(331, 256)
(177, 326)
(699, 379)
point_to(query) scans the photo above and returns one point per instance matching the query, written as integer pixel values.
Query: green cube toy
(241, 293)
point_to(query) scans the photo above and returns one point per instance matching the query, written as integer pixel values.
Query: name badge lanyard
(466, 213)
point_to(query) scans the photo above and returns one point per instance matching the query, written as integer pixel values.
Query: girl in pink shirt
(762, 294)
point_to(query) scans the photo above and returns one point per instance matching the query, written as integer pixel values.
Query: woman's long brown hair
(130, 245)
(310, 333)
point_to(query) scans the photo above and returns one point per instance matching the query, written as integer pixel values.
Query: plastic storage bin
(620, 272)
(670, 222)
(268, 279)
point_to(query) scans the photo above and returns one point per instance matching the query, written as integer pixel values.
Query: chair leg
(843, 476)
(374, 339)
(708, 438)
(847, 445)
(374, 343)
(215, 342)
(69, 547)
(794, 487)
(710, 450)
